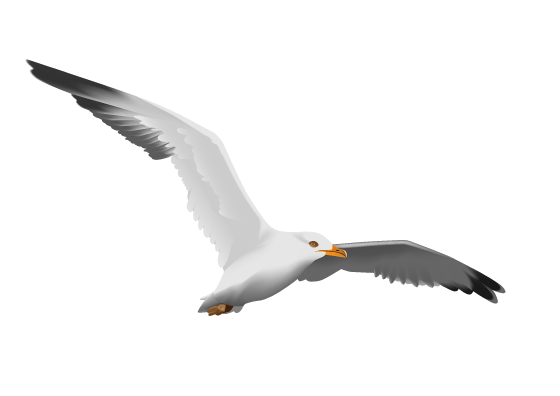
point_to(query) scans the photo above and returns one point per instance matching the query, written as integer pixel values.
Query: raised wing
(216, 197)
(406, 262)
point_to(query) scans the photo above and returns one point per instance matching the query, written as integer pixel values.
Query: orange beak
(335, 252)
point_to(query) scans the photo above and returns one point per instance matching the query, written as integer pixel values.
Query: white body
(270, 267)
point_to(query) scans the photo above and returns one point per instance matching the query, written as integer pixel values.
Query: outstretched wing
(216, 197)
(406, 262)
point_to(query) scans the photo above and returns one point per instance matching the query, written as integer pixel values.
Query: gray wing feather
(406, 262)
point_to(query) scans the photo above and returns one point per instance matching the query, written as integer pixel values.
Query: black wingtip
(69, 82)
(480, 284)
(105, 103)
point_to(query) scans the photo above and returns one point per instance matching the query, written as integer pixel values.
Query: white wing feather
(216, 197)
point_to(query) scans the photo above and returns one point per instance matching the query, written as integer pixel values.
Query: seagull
(258, 261)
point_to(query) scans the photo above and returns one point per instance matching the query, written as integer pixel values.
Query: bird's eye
(313, 244)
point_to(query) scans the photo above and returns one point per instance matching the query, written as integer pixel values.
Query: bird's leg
(219, 309)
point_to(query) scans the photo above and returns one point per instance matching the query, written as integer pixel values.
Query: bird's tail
(204, 298)
(209, 301)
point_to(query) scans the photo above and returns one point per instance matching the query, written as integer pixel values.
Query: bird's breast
(251, 280)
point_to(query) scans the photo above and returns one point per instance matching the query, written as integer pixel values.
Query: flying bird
(258, 261)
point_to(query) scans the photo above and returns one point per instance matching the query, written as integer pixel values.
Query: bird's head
(315, 246)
